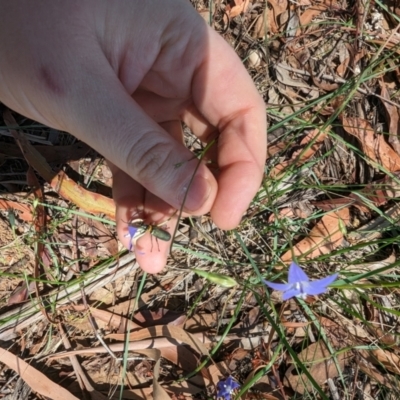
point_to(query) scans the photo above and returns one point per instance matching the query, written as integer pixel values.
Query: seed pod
(219, 279)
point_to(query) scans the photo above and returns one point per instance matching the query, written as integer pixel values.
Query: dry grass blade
(377, 227)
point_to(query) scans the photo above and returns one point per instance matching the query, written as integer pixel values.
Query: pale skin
(121, 76)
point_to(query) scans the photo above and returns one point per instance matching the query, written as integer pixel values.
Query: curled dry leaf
(318, 360)
(38, 382)
(382, 358)
(239, 8)
(344, 58)
(214, 373)
(276, 148)
(158, 391)
(315, 10)
(326, 236)
(25, 210)
(317, 137)
(374, 147)
(392, 114)
(310, 13)
(183, 357)
(342, 67)
(320, 84)
(292, 26)
(386, 380)
(20, 294)
(260, 28)
(310, 145)
(265, 385)
(278, 7)
(378, 193)
(282, 71)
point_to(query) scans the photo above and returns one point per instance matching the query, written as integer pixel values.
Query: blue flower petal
(132, 231)
(283, 287)
(226, 387)
(296, 274)
(291, 293)
(327, 280)
(232, 383)
(320, 286)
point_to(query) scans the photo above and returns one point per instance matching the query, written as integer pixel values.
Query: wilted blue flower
(300, 285)
(226, 387)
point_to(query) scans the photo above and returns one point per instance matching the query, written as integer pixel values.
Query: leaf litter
(328, 71)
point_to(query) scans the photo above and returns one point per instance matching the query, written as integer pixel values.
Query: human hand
(121, 76)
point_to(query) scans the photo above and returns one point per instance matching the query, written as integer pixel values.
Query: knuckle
(151, 162)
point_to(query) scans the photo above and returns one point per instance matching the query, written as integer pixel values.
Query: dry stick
(80, 374)
(278, 380)
(361, 12)
(356, 375)
(337, 80)
(162, 342)
(40, 217)
(96, 330)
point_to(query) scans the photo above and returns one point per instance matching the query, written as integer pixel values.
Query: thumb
(107, 118)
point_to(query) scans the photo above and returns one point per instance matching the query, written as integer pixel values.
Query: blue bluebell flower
(132, 232)
(300, 285)
(226, 387)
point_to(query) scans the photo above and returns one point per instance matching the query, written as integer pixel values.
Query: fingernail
(199, 191)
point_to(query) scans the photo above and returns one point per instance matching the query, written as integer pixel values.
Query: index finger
(228, 99)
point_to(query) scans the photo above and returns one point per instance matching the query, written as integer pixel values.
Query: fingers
(132, 202)
(230, 102)
(86, 89)
(137, 145)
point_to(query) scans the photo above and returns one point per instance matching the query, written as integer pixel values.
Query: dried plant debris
(79, 318)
